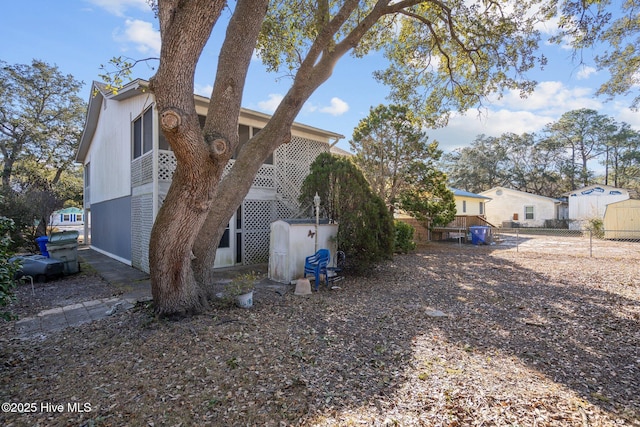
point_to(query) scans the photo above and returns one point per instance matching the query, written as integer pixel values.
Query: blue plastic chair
(316, 264)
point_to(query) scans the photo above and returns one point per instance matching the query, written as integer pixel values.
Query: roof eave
(99, 92)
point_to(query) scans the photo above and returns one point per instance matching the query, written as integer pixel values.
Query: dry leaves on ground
(449, 336)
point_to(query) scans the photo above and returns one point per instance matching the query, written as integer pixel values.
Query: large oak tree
(443, 54)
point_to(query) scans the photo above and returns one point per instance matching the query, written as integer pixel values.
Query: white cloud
(463, 129)
(337, 107)
(625, 114)
(204, 90)
(550, 27)
(586, 72)
(271, 104)
(142, 34)
(118, 7)
(551, 98)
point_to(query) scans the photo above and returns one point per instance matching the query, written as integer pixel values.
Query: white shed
(590, 202)
(292, 240)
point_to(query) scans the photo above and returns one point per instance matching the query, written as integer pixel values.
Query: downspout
(338, 138)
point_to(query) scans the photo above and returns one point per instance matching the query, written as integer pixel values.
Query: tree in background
(584, 24)
(389, 144)
(41, 120)
(396, 158)
(585, 133)
(553, 162)
(427, 196)
(479, 166)
(533, 165)
(622, 161)
(366, 230)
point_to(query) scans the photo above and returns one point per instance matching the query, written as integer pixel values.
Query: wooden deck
(457, 229)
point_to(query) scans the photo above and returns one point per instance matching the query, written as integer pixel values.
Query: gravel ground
(448, 336)
(84, 286)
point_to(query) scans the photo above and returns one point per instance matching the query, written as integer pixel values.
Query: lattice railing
(292, 162)
(142, 170)
(166, 165)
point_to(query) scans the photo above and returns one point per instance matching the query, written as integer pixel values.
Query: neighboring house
(590, 203)
(470, 211)
(128, 167)
(67, 216)
(622, 220)
(510, 208)
(337, 151)
(469, 204)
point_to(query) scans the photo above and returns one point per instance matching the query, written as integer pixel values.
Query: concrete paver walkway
(135, 284)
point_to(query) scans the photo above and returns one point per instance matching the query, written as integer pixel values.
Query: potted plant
(240, 289)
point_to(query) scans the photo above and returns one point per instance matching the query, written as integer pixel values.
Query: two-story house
(128, 166)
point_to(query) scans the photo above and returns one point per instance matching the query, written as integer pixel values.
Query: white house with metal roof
(128, 167)
(521, 208)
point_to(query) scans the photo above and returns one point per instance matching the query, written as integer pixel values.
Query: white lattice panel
(285, 209)
(265, 177)
(256, 247)
(257, 214)
(293, 161)
(142, 170)
(141, 223)
(257, 217)
(166, 165)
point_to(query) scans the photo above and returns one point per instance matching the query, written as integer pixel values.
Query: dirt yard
(449, 336)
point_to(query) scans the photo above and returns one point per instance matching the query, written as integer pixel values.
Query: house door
(225, 255)
(229, 251)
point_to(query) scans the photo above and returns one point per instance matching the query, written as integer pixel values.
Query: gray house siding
(111, 226)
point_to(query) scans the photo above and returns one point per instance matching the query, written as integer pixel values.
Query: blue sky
(80, 35)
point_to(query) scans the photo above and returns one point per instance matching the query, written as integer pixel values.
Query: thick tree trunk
(174, 288)
(185, 27)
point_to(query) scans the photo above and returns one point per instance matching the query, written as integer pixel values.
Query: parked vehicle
(39, 267)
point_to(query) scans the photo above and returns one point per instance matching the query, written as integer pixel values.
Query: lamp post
(316, 203)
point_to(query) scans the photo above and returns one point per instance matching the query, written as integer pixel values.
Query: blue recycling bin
(42, 244)
(480, 234)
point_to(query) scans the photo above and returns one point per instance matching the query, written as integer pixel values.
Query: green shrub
(596, 226)
(365, 231)
(404, 237)
(7, 268)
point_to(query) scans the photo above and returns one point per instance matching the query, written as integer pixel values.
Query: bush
(365, 231)
(596, 226)
(8, 268)
(404, 237)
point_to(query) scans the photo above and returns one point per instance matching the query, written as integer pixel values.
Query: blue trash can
(480, 234)
(42, 244)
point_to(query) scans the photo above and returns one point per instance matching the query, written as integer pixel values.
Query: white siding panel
(110, 152)
(503, 207)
